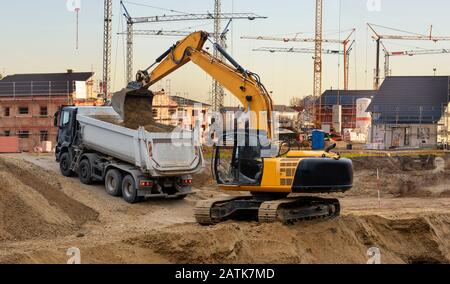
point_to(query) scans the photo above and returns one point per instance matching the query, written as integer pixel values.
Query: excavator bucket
(135, 107)
(123, 100)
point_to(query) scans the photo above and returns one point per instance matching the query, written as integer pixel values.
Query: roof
(411, 99)
(74, 76)
(186, 102)
(231, 109)
(346, 97)
(277, 108)
(41, 83)
(283, 108)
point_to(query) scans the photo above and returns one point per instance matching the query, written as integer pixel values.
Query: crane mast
(107, 45)
(317, 90)
(218, 92)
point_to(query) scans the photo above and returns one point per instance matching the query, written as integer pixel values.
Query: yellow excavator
(248, 158)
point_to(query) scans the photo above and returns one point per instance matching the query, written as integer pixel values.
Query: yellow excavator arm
(244, 85)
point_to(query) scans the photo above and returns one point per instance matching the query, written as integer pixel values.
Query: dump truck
(133, 163)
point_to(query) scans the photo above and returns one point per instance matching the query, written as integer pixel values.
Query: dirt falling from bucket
(138, 111)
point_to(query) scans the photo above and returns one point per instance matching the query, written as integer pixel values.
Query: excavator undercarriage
(286, 210)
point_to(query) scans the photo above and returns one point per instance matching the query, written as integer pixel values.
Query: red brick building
(28, 103)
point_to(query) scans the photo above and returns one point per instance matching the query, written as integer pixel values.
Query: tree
(302, 103)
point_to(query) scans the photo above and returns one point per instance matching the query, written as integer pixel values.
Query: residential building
(347, 99)
(28, 103)
(411, 112)
(179, 111)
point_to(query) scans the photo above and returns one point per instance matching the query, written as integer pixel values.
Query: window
(24, 134)
(65, 118)
(423, 133)
(43, 111)
(155, 113)
(44, 135)
(407, 136)
(23, 110)
(7, 111)
(7, 133)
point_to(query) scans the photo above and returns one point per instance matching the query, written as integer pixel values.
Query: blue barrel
(318, 140)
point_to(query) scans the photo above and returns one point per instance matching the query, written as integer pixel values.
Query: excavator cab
(238, 158)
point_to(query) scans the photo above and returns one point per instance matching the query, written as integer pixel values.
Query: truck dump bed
(159, 154)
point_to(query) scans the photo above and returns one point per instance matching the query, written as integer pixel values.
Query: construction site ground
(43, 214)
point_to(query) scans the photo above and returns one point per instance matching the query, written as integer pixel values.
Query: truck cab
(65, 121)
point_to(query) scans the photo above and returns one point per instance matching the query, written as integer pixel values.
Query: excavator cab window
(238, 164)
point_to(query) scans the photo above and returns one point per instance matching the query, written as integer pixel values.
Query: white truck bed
(159, 154)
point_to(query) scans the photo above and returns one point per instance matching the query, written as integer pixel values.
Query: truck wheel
(64, 165)
(84, 172)
(129, 190)
(113, 182)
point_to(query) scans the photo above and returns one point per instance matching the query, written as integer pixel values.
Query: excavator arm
(244, 85)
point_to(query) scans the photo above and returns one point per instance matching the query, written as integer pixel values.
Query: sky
(39, 36)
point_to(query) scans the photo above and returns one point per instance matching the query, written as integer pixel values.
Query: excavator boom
(244, 85)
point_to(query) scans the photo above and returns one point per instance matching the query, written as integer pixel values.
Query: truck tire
(129, 190)
(113, 182)
(85, 172)
(64, 165)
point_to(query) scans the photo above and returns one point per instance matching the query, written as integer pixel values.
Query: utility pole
(107, 44)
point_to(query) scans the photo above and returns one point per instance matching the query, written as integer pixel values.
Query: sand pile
(32, 204)
(344, 240)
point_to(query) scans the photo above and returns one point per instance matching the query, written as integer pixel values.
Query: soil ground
(43, 214)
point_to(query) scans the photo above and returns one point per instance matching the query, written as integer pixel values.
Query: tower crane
(411, 37)
(318, 40)
(347, 47)
(318, 51)
(296, 50)
(388, 54)
(160, 33)
(217, 16)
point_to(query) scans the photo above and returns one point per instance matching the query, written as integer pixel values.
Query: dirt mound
(387, 164)
(344, 240)
(32, 204)
(420, 176)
